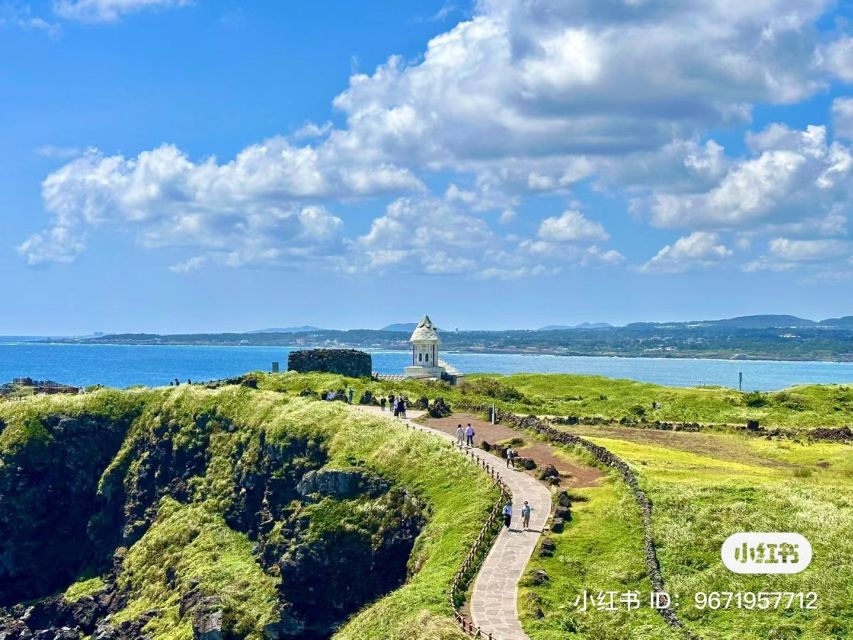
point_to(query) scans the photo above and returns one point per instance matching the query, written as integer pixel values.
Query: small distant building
(425, 360)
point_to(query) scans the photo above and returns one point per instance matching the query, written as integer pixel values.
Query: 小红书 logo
(762, 552)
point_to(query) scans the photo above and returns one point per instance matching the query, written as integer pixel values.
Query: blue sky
(206, 165)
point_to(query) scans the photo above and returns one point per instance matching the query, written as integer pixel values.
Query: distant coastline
(738, 353)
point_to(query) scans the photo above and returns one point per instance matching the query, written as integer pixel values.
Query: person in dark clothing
(382, 403)
(507, 514)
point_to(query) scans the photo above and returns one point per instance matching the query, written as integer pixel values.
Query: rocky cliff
(185, 513)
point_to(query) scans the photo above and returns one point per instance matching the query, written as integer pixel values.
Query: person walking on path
(350, 394)
(510, 458)
(460, 436)
(382, 403)
(392, 404)
(469, 435)
(402, 406)
(525, 515)
(508, 514)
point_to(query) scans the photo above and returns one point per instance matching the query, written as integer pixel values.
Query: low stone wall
(345, 362)
(607, 458)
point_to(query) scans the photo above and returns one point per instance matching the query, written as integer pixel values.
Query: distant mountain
(406, 327)
(765, 322)
(768, 321)
(303, 329)
(582, 325)
(845, 322)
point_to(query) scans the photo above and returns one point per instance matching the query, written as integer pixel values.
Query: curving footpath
(494, 598)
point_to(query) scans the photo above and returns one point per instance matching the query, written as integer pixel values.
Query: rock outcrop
(345, 362)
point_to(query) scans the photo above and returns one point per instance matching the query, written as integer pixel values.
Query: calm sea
(123, 366)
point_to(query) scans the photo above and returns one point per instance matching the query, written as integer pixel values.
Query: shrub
(755, 399)
(491, 388)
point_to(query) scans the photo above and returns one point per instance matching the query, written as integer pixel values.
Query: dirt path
(542, 453)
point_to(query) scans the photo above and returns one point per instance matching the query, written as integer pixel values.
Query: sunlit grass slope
(705, 487)
(195, 541)
(596, 396)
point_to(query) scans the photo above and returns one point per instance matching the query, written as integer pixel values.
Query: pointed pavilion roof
(425, 331)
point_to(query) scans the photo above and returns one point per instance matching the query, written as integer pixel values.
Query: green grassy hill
(170, 497)
(598, 397)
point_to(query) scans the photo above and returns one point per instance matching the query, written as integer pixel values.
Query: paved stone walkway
(494, 600)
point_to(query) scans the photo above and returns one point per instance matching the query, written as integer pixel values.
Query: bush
(755, 399)
(491, 388)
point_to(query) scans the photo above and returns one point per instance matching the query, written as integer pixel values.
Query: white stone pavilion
(425, 362)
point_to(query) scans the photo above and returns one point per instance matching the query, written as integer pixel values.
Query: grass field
(705, 487)
(595, 396)
(601, 549)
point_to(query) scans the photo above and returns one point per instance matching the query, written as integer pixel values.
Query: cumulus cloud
(842, 117)
(571, 226)
(837, 57)
(784, 254)
(525, 97)
(791, 172)
(108, 10)
(700, 249)
(429, 235)
(248, 210)
(535, 78)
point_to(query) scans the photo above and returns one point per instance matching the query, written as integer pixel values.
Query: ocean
(128, 365)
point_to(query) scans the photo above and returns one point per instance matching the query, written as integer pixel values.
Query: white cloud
(803, 250)
(508, 216)
(60, 244)
(786, 254)
(429, 235)
(842, 117)
(837, 57)
(22, 17)
(248, 210)
(108, 10)
(63, 153)
(527, 96)
(424, 235)
(792, 172)
(312, 130)
(533, 78)
(571, 226)
(700, 249)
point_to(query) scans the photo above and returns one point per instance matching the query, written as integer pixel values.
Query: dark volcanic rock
(346, 362)
(208, 618)
(439, 409)
(331, 482)
(548, 548)
(49, 491)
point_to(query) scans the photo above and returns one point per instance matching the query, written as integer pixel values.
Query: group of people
(465, 435)
(525, 515)
(347, 396)
(396, 404)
